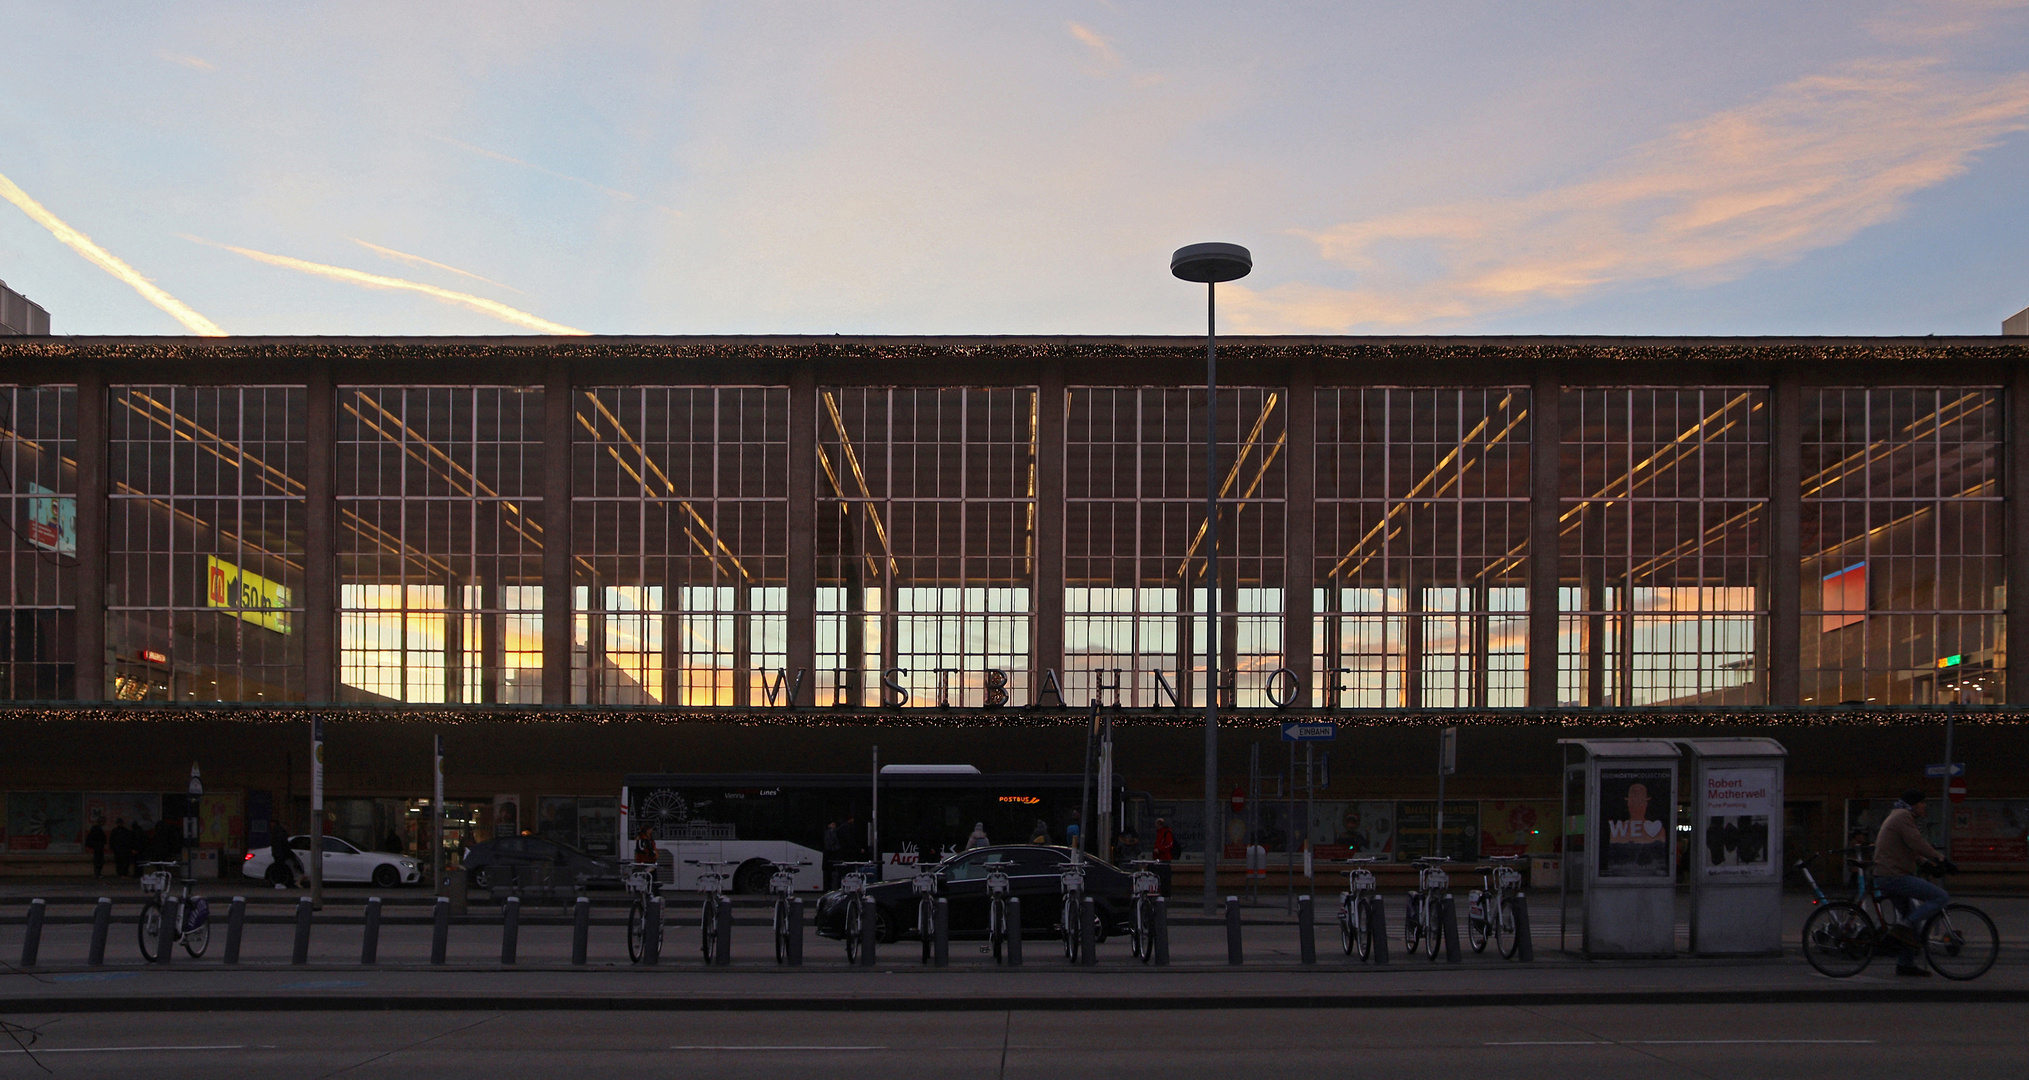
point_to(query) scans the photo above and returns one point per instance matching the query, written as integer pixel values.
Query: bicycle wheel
(1477, 921)
(1433, 934)
(1139, 932)
(151, 928)
(996, 930)
(1838, 939)
(709, 925)
(1960, 942)
(637, 929)
(1412, 926)
(925, 926)
(196, 927)
(1507, 930)
(1346, 931)
(1070, 925)
(781, 931)
(852, 931)
(1363, 925)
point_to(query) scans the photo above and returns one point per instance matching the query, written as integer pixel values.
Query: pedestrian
(95, 842)
(978, 838)
(1041, 833)
(286, 869)
(392, 843)
(1165, 842)
(1073, 836)
(121, 840)
(1129, 845)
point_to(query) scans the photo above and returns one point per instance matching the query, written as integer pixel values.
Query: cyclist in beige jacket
(1900, 852)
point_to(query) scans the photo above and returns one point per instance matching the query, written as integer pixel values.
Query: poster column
(1736, 846)
(316, 830)
(1630, 847)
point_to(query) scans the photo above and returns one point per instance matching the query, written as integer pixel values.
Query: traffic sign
(1310, 730)
(1957, 792)
(1938, 772)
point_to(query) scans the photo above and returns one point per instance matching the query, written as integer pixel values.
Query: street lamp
(1211, 264)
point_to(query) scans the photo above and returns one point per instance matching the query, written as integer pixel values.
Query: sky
(1848, 167)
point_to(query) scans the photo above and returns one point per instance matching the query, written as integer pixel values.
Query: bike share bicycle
(641, 886)
(1841, 937)
(782, 886)
(1424, 922)
(853, 883)
(194, 914)
(924, 887)
(711, 880)
(1359, 911)
(1073, 885)
(999, 889)
(1490, 911)
(1146, 889)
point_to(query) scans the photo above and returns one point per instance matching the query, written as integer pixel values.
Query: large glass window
(39, 459)
(1136, 545)
(1903, 588)
(682, 535)
(926, 543)
(1662, 528)
(440, 534)
(204, 584)
(1422, 547)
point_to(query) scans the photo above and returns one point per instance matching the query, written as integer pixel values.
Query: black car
(492, 862)
(1035, 874)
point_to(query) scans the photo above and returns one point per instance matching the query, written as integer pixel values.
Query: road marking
(778, 1048)
(1689, 1042)
(113, 1049)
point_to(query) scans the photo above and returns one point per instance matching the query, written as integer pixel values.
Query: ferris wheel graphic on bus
(663, 809)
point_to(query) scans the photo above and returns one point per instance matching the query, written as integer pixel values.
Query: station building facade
(594, 556)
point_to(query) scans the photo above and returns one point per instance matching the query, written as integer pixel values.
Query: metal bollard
(1233, 930)
(510, 928)
(235, 926)
(1159, 929)
(440, 932)
(1306, 931)
(1014, 932)
(31, 941)
(1377, 917)
(1088, 949)
(581, 929)
(724, 958)
(940, 924)
(102, 923)
(369, 942)
(1525, 946)
(869, 932)
(651, 933)
(795, 931)
(165, 938)
(301, 955)
(1447, 920)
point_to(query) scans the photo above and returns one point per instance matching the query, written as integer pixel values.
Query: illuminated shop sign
(248, 595)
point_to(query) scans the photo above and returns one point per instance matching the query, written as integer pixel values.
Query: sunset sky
(1457, 168)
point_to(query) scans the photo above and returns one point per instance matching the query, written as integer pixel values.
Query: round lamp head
(1211, 262)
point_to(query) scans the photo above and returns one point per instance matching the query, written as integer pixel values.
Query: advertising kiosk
(1736, 846)
(1628, 852)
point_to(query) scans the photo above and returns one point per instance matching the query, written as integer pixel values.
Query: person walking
(1073, 836)
(286, 869)
(978, 838)
(1041, 833)
(95, 842)
(1165, 841)
(392, 842)
(121, 840)
(1900, 854)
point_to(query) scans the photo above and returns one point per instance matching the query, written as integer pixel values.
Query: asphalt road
(1850, 1041)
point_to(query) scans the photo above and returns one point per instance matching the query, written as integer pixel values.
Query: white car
(342, 862)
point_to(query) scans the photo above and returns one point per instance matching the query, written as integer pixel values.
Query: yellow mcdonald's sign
(250, 596)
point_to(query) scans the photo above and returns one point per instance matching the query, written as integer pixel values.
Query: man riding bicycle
(1900, 852)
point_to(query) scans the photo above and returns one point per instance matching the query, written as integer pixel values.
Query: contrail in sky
(479, 304)
(420, 261)
(105, 260)
(498, 156)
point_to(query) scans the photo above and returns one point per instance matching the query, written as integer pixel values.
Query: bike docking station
(1625, 846)
(1736, 846)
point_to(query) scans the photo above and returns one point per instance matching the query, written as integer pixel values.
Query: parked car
(342, 863)
(490, 862)
(1035, 876)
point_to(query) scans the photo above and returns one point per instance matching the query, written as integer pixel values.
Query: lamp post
(1211, 264)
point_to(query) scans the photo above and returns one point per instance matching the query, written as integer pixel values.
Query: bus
(923, 811)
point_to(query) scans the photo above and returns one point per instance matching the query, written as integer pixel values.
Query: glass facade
(927, 520)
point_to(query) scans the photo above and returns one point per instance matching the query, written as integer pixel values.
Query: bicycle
(641, 886)
(194, 933)
(1356, 914)
(1490, 911)
(1145, 888)
(782, 886)
(1073, 885)
(1420, 925)
(853, 883)
(924, 887)
(998, 889)
(1840, 937)
(711, 880)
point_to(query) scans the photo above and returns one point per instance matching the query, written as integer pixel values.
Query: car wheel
(387, 877)
(884, 926)
(752, 878)
(480, 877)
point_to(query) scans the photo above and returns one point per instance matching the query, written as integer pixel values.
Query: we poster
(1634, 810)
